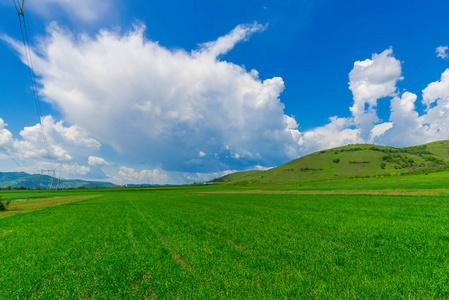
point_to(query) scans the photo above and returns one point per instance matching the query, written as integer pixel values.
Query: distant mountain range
(351, 161)
(25, 180)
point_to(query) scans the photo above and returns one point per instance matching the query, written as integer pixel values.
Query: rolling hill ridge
(25, 180)
(351, 161)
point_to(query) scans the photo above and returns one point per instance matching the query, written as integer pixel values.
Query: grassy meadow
(350, 162)
(226, 242)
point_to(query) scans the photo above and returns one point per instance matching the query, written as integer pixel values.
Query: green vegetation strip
(20, 206)
(397, 192)
(174, 244)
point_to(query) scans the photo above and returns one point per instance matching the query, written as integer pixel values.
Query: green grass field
(168, 243)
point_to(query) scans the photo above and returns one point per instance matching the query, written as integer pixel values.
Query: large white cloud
(166, 106)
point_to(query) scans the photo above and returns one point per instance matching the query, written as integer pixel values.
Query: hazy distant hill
(351, 161)
(25, 180)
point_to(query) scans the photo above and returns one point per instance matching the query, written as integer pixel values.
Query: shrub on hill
(348, 150)
(434, 160)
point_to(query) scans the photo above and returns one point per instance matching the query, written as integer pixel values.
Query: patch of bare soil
(244, 249)
(267, 187)
(179, 259)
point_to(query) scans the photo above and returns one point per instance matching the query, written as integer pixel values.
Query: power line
(10, 156)
(2, 148)
(28, 56)
(15, 5)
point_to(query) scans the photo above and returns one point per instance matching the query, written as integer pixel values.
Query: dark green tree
(4, 204)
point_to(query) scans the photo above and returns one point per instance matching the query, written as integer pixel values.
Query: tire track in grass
(249, 254)
(224, 257)
(144, 279)
(243, 248)
(197, 227)
(218, 268)
(230, 242)
(164, 275)
(131, 236)
(150, 294)
(176, 257)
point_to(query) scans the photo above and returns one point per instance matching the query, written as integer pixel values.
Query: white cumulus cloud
(166, 106)
(369, 81)
(437, 91)
(98, 161)
(49, 140)
(340, 131)
(65, 170)
(52, 146)
(405, 126)
(130, 175)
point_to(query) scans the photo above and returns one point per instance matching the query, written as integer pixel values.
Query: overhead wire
(34, 87)
(10, 156)
(15, 5)
(2, 148)
(28, 56)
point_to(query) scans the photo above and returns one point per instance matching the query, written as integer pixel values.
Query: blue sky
(183, 91)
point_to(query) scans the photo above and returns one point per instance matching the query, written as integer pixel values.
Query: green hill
(25, 180)
(351, 161)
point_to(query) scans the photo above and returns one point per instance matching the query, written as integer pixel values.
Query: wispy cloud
(84, 10)
(441, 51)
(225, 43)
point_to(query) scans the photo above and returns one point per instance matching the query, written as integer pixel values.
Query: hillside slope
(352, 161)
(25, 180)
